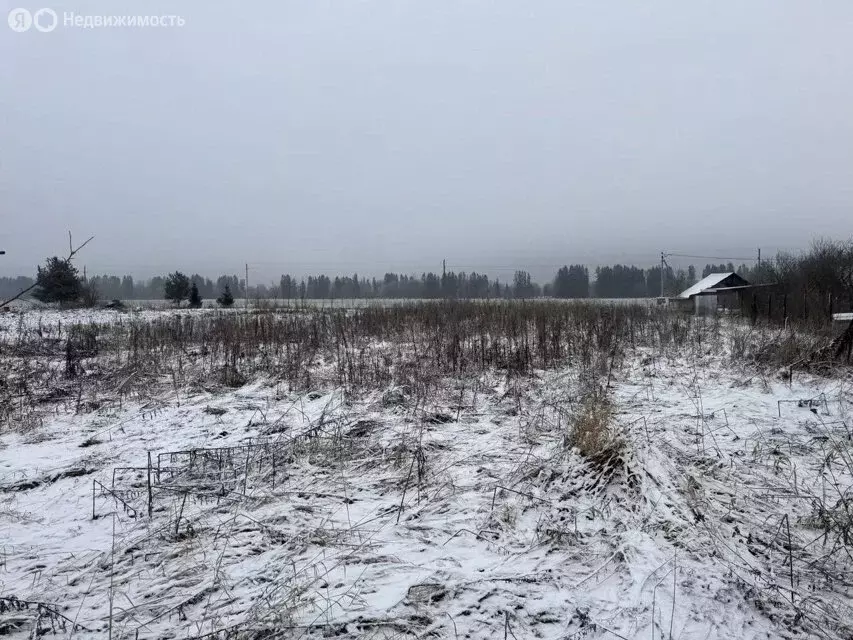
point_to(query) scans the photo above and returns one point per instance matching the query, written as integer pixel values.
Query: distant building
(701, 298)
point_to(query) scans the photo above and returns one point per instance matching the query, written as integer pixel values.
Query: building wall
(705, 305)
(680, 304)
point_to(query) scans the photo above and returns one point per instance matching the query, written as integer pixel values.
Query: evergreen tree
(431, 285)
(287, 287)
(195, 297)
(522, 286)
(127, 287)
(225, 299)
(679, 283)
(58, 282)
(176, 287)
(562, 283)
(579, 280)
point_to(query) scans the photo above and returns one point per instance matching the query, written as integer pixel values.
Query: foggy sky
(367, 135)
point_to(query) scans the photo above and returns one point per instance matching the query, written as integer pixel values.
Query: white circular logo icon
(21, 20)
(45, 20)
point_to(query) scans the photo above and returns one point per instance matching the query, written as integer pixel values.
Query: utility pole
(662, 263)
(759, 264)
(247, 286)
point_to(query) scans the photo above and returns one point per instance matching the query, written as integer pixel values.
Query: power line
(687, 255)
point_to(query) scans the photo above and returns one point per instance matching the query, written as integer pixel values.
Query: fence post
(150, 493)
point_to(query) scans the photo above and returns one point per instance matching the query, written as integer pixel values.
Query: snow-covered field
(262, 511)
(38, 309)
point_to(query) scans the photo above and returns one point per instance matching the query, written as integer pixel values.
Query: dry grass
(412, 346)
(591, 430)
(412, 360)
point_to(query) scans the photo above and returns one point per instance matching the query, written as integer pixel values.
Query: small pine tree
(58, 282)
(195, 297)
(225, 299)
(176, 287)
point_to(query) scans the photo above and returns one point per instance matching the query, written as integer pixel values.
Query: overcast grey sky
(342, 135)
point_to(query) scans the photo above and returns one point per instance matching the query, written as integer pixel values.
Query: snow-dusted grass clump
(591, 432)
(527, 472)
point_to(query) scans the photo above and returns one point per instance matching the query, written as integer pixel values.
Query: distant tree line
(11, 286)
(570, 281)
(392, 285)
(811, 284)
(399, 285)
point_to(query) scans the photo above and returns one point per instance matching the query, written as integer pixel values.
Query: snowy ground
(44, 312)
(326, 514)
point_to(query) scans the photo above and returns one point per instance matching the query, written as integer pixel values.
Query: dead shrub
(591, 431)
